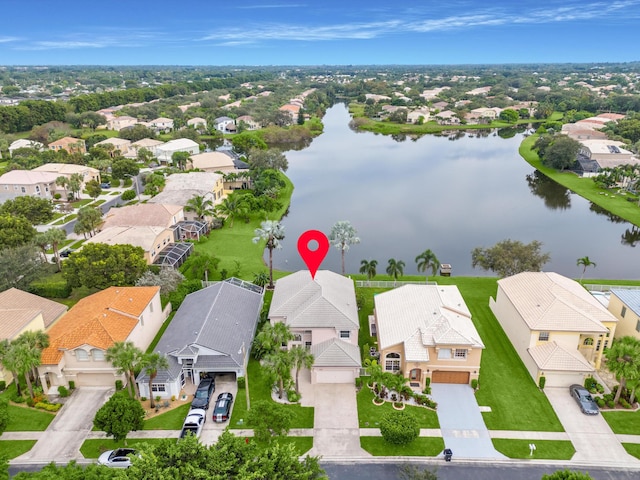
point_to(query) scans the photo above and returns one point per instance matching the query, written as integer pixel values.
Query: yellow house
(557, 327)
(624, 304)
(24, 312)
(425, 331)
(152, 239)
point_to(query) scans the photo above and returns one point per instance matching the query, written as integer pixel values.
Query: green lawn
(623, 422)
(25, 419)
(585, 187)
(94, 447)
(14, 448)
(420, 447)
(81, 203)
(260, 389)
(65, 219)
(545, 449)
(632, 449)
(369, 414)
(171, 420)
(302, 444)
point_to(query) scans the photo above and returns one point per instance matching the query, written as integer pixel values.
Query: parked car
(222, 409)
(65, 253)
(105, 185)
(118, 458)
(203, 394)
(584, 399)
(194, 422)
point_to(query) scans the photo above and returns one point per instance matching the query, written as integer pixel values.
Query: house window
(297, 337)
(158, 387)
(460, 353)
(588, 341)
(623, 312)
(392, 362)
(82, 355)
(638, 326)
(151, 307)
(444, 354)
(24, 190)
(307, 345)
(344, 333)
(543, 336)
(98, 355)
(598, 345)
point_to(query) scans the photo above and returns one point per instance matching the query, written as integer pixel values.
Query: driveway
(62, 440)
(461, 423)
(590, 434)
(212, 430)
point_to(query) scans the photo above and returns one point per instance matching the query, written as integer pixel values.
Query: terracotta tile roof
(98, 320)
(15, 300)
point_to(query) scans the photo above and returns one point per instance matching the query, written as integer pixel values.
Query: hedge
(51, 290)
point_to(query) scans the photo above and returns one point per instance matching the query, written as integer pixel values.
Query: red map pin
(313, 258)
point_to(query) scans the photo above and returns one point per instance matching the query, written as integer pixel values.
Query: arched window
(588, 341)
(82, 355)
(97, 355)
(392, 362)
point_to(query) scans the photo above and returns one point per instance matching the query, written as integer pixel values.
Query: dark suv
(203, 394)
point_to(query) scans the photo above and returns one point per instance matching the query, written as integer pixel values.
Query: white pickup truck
(194, 422)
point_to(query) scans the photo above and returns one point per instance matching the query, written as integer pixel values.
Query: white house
(164, 152)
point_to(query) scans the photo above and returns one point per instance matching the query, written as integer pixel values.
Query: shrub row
(49, 407)
(51, 290)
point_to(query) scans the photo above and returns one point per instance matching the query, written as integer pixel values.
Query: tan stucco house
(624, 304)
(78, 341)
(21, 312)
(18, 183)
(426, 331)
(68, 169)
(70, 144)
(557, 327)
(323, 316)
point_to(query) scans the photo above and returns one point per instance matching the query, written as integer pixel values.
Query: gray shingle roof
(631, 298)
(214, 322)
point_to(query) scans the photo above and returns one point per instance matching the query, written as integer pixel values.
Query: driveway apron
(62, 440)
(590, 434)
(335, 427)
(461, 423)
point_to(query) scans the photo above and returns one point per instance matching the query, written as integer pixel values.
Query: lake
(450, 196)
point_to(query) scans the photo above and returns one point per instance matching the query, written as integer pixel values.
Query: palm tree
(271, 338)
(200, 206)
(278, 365)
(428, 260)
(368, 268)
(63, 182)
(260, 279)
(300, 358)
(273, 233)
(395, 268)
(585, 262)
(35, 339)
(75, 184)
(153, 362)
(25, 358)
(342, 236)
(623, 360)
(126, 357)
(231, 207)
(8, 359)
(56, 236)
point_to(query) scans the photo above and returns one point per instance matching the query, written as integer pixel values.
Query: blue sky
(300, 32)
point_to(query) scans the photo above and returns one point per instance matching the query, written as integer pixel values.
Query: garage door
(440, 376)
(327, 375)
(563, 379)
(95, 380)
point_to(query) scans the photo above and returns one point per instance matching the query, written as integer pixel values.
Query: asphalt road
(68, 227)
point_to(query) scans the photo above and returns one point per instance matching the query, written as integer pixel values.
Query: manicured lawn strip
(260, 389)
(505, 384)
(420, 447)
(302, 444)
(632, 449)
(623, 422)
(25, 419)
(81, 203)
(369, 414)
(94, 447)
(158, 336)
(231, 244)
(171, 420)
(546, 449)
(585, 187)
(14, 448)
(64, 220)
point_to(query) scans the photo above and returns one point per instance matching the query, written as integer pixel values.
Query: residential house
(225, 162)
(322, 314)
(426, 332)
(198, 123)
(248, 121)
(25, 312)
(148, 143)
(121, 145)
(414, 116)
(479, 91)
(68, 169)
(558, 328)
(607, 153)
(161, 125)
(24, 143)
(447, 117)
(181, 187)
(483, 115)
(211, 333)
(164, 152)
(119, 123)
(70, 144)
(222, 124)
(624, 304)
(18, 183)
(292, 110)
(78, 342)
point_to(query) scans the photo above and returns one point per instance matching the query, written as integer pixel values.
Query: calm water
(448, 196)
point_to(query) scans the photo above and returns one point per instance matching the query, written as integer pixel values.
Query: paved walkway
(461, 422)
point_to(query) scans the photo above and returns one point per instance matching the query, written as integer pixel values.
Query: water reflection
(555, 196)
(631, 236)
(610, 216)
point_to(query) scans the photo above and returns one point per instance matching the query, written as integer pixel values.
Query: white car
(118, 458)
(194, 422)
